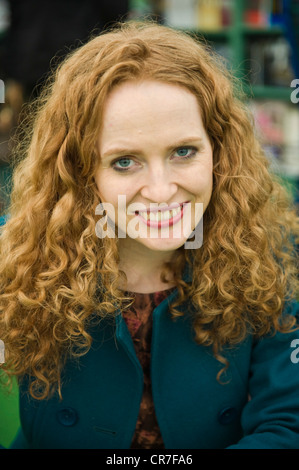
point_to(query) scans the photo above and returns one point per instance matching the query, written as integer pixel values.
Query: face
(155, 164)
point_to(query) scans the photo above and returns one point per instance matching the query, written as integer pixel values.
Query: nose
(158, 185)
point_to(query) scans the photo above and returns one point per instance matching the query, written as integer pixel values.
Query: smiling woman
(139, 339)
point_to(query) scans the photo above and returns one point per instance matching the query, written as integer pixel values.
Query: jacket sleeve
(270, 419)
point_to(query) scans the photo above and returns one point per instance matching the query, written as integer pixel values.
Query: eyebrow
(131, 150)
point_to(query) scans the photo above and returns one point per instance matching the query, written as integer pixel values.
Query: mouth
(162, 217)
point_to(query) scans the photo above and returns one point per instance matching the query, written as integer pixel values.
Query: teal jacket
(257, 407)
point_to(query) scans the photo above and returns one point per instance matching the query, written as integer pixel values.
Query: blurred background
(258, 40)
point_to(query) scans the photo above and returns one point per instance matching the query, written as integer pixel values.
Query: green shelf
(269, 92)
(262, 31)
(212, 35)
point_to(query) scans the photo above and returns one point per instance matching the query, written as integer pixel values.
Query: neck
(143, 267)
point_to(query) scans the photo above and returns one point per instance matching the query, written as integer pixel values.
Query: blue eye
(185, 152)
(122, 164)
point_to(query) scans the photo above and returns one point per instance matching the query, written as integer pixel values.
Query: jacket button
(67, 416)
(227, 415)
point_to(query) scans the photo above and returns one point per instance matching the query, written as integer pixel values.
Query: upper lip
(174, 205)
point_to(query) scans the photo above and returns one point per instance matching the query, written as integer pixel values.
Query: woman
(124, 331)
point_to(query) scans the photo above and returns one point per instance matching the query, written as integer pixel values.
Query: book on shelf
(256, 13)
(206, 15)
(263, 13)
(270, 62)
(213, 15)
(277, 126)
(180, 14)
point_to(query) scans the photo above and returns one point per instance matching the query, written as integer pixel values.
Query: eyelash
(193, 152)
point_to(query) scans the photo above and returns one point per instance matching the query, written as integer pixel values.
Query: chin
(162, 244)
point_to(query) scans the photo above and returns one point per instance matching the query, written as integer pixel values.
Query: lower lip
(163, 223)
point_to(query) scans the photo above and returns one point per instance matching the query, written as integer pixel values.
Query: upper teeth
(158, 216)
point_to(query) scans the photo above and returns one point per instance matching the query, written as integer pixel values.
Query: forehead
(149, 104)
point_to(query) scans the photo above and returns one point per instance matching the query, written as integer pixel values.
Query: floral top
(139, 322)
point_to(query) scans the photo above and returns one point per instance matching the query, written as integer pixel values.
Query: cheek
(105, 188)
(201, 183)
(111, 187)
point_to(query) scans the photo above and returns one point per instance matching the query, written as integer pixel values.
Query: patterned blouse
(139, 322)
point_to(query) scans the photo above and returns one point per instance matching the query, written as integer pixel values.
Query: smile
(163, 217)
